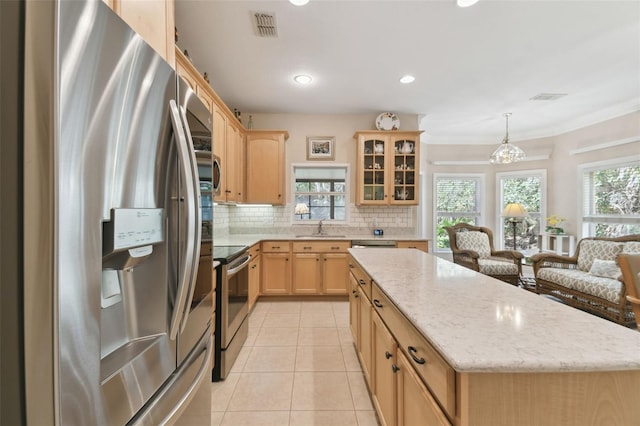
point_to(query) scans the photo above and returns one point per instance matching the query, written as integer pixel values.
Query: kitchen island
(489, 353)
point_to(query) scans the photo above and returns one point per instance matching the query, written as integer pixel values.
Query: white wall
(562, 177)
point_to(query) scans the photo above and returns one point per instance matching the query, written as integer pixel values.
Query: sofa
(589, 280)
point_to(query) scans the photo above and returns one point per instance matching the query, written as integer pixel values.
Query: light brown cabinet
(153, 20)
(361, 318)
(265, 162)
(197, 83)
(386, 341)
(320, 267)
(388, 167)
(276, 268)
(415, 405)
(254, 274)
(418, 244)
(228, 145)
(384, 367)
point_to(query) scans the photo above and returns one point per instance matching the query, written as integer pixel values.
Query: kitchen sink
(314, 236)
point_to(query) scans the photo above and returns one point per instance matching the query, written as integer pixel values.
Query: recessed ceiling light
(406, 79)
(303, 79)
(463, 3)
(300, 2)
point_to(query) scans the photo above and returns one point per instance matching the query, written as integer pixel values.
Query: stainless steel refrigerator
(109, 331)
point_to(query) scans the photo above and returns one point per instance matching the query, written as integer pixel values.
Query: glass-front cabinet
(388, 167)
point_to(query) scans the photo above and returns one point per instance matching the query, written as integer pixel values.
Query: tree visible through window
(323, 190)
(457, 200)
(611, 200)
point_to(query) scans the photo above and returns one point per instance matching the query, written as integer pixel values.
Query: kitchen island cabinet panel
(514, 358)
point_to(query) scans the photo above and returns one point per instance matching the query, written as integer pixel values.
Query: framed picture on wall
(320, 147)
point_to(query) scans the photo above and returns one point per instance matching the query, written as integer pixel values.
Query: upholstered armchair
(472, 247)
(630, 266)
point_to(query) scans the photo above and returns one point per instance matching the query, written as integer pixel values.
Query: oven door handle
(233, 271)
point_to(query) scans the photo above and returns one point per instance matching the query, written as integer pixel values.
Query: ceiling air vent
(548, 96)
(264, 24)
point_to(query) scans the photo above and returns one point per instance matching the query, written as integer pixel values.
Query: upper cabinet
(197, 83)
(265, 166)
(388, 167)
(153, 20)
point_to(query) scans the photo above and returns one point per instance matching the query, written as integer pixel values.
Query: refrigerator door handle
(197, 230)
(186, 267)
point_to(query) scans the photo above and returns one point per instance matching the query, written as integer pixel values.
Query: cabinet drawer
(275, 246)
(419, 244)
(361, 277)
(254, 250)
(437, 374)
(321, 246)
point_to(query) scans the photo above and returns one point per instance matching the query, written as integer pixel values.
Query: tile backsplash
(247, 219)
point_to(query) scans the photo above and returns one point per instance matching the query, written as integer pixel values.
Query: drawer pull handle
(254, 266)
(275, 247)
(335, 248)
(378, 304)
(351, 266)
(387, 355)
(413, 350)
(362, 282)
(395, 368)
(307, 248)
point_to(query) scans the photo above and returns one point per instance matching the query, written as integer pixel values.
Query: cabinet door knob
(387, 355)
(395, 368)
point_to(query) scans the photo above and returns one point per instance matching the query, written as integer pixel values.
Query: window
(529, 189)
(457, 199)
(611, 199)
(320, 193)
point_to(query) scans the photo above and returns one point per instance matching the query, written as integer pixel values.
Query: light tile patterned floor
(298, 367)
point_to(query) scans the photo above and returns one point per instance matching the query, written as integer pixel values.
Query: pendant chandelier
(507, 153)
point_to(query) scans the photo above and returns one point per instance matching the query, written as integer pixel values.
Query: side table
(555, 243)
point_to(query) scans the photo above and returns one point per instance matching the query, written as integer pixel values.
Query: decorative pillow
(474, 240)
(596, 249)
(605, 268)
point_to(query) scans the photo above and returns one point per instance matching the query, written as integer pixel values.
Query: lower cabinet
(276, 268)
(416, 406)
(384, 369)
(399, 393)
(254, 274)
(320, 267)
(416, 244)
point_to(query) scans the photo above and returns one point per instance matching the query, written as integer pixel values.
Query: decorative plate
(387, 121)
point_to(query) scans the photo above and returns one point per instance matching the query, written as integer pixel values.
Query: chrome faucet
(319, 231)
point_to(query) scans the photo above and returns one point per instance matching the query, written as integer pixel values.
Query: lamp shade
(301, 208)
(514, 210)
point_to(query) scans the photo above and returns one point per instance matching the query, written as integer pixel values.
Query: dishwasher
(373, 243)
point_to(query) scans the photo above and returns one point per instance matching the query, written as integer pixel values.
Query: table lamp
(514, 211)
(301, 209)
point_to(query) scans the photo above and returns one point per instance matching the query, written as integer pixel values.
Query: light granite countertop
(480, 324)
(250, 239)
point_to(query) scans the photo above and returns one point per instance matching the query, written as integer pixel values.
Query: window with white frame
(527, 188)
(611, 198)
(320, 192)
(457, 198)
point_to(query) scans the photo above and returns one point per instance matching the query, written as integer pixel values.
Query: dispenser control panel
(136, 227)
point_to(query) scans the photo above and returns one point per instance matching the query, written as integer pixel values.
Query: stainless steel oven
(232, 306)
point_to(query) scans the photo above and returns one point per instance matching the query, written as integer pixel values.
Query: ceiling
(471, 65)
